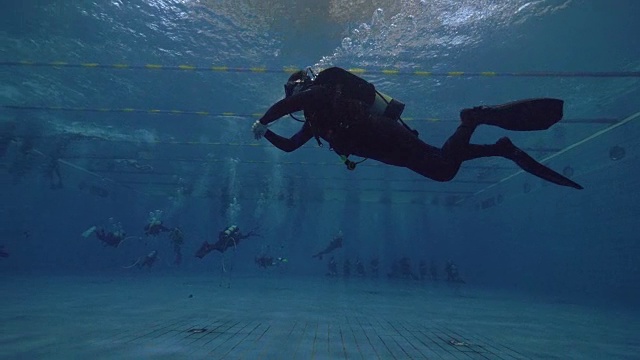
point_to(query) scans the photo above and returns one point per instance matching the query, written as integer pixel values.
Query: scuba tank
(231, 230)
(348, 86)
(387, 106)
(353, 87)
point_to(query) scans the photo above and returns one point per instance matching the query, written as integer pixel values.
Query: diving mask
(299, 81)
(296, 86)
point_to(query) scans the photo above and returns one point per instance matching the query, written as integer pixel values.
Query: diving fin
(522, 115)
(530, 165)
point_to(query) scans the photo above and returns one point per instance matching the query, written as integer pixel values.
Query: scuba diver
(332, 267)
(374, 266)
(395, 270)
(268, 261)
(355, 119)
(406, 269)
(230, 237)
(147, 260)
(114, 237)
(334, 244)
(110, 238)
(346, 268)
(359, 268)
(52, 171)
(264, 260)
(3, 252)
(177, 239)
(433, 271)
(402, 269)
(423, 270)
(451, 269)
(154, 226)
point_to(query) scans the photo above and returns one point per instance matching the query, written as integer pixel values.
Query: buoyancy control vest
(348, 87)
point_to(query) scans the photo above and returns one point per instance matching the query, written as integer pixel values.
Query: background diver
(111, 238)
(453, 275)
(3, 252)
(177, 240)
(269, 261)
(355, 119)
(346, 268)
(359, 268)
(230, 237)
(332, 267)
(335, 243)
(154, 225)
(147, 260)
(155, 228)
(374, 266)
(433, 271)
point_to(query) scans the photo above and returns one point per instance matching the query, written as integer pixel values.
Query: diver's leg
(389, 142)
(505, 148)
(530, 165)
(456, 147)
(443, 164)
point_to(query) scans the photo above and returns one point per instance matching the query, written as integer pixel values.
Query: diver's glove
(259, 129)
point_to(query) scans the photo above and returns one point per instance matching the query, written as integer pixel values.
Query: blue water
(206, 172)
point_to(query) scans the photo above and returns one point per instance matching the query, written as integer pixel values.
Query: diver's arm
(291, 104)
(296, 141)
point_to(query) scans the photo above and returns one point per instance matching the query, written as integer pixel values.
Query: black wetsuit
(350, 129)
(334, 244)
(225, 241)
(149, 260)
(264, 261)
(155, 229)
(109, 238)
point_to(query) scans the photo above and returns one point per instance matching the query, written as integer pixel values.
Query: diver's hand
(259, 129)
